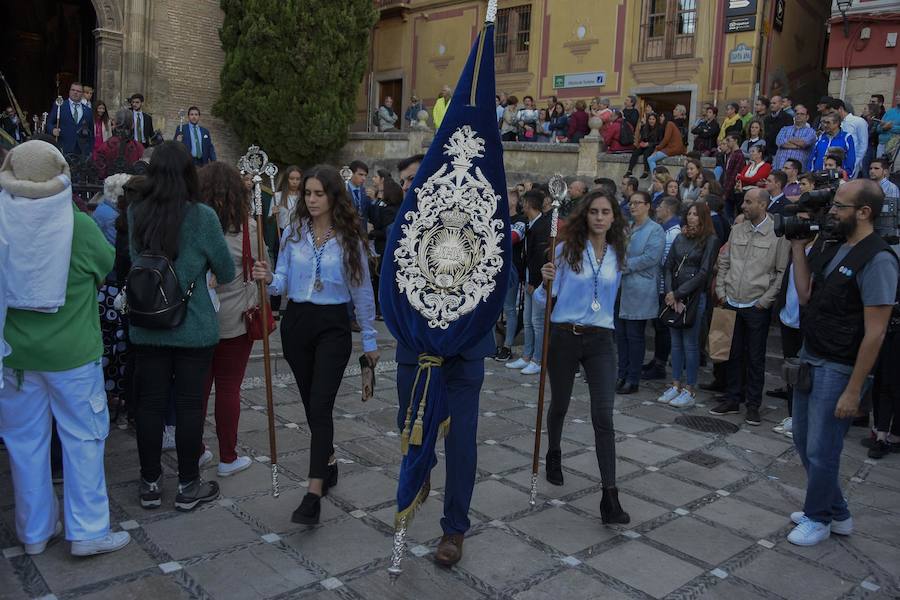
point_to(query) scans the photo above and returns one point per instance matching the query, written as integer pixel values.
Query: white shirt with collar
(138, 130)
(889, 188)
(775, 199)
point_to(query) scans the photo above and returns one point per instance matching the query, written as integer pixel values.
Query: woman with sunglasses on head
(323, 264)
(585, 273)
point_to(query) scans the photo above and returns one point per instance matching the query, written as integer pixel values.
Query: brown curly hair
(222, 188)
(577, 231)
(347, 226)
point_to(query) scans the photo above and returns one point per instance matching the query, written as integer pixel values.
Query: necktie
(139, 132)
(198, 153)
(76, 112)
(358, 199)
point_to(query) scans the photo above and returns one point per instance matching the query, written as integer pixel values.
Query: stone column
(588, 152)
(109, 46)
(419, 139)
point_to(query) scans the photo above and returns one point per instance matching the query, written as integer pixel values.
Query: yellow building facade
(665, 52)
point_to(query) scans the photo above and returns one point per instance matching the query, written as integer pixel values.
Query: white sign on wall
(579, 80)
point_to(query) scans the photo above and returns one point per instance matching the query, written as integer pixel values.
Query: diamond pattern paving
(558, 549)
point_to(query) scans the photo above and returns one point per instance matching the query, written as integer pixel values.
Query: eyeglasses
(636, 202)
(839, 205)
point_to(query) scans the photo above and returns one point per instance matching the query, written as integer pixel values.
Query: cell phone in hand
(367, 371)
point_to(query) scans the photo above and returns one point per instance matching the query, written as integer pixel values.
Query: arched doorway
(49, 44)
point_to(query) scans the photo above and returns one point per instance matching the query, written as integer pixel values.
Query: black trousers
(317, 344)
(791, 342)
(643, 154)
(662, 338)
(596, 352)
(886, 390)
(748, 350)
(157, 369)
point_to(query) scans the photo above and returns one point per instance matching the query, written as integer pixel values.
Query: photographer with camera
(848, 288)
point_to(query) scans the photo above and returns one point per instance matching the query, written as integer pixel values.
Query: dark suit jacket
(537, 239)
(74, 138)
(773, 124)
(777, 207)
(207, 151)
(148, 127)
(484, 348)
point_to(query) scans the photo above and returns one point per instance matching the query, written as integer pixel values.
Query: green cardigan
(201, 248)
(70, 337)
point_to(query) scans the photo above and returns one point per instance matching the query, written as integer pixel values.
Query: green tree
(292, 71)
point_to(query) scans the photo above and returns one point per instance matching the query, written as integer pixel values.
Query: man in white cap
(53, 328)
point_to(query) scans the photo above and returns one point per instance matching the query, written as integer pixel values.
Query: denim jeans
(631, 342)
(534, 328)
(686, 348)
(653, 158)
(511, 308)
(819, 438)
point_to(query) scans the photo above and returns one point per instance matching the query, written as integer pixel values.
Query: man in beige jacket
(750, 273)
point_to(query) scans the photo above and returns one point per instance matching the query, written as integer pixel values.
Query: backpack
(153, 294)
(626, 134)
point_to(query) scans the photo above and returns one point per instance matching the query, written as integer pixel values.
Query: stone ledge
(540, 147)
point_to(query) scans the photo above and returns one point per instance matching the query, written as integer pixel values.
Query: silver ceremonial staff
(558, 190)
(256, 164)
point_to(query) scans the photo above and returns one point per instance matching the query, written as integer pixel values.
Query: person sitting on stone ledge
(613, 137)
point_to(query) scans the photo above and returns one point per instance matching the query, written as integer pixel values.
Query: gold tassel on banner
(413, 432)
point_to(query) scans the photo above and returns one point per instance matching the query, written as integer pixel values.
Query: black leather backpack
(153, 293)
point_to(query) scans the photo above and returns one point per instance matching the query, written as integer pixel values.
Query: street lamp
(843, 7)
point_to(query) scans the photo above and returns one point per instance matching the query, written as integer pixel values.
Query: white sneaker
(780, 427)
(205, 458)
(531, 368)
(39, 547)
(168, 441)
(844, 527)
(684, 400)
(809, 532)
(229, 469)
(114, 540)
(788, 425)
(670, 394)
(519, 363)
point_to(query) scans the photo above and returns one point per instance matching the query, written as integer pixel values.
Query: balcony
(392, 8)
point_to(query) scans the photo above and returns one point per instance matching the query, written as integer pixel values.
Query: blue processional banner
(446, 268)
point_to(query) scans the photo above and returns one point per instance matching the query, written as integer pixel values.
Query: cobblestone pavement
(709, 513)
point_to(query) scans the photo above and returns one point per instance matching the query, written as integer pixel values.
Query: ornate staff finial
(491, 15)
(346, 174)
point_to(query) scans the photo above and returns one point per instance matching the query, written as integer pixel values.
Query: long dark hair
(706, 227)
(163, 198)
(222, 188)
(105, 117)
(577, 231)
(285, 186)
(344, 217)
(393, 193)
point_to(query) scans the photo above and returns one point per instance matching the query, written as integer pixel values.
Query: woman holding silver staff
(322, 265)
(585, 275)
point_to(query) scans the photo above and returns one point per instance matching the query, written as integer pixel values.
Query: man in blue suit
(463, 377)
(75, 126)
(196, 138)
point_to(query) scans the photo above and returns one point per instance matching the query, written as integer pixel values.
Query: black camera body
(816, 204)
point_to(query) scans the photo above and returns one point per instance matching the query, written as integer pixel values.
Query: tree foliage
(292, 72)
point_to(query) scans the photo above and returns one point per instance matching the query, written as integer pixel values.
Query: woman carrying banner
(585, 275)
(322, 265)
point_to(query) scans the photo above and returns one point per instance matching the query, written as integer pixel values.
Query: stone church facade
(169, 51)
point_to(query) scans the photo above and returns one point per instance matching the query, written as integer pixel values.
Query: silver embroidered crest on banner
(449, 254)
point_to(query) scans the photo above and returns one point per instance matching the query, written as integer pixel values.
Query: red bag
(253, 317)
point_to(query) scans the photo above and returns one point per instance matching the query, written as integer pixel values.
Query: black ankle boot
(309, 510)
(331, 479)
(610, 509)
(554, 467)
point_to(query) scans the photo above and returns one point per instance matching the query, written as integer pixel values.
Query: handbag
(253, 317)
(684, 319)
